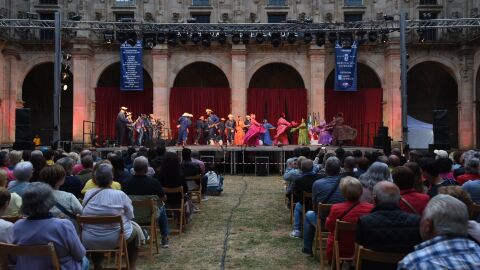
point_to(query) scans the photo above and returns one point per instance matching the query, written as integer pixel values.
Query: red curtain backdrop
(362, 110)
(195, 100)
(270, 103)
(108, 101)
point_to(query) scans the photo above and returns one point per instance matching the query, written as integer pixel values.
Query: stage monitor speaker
(440, 127)
(23, 145)
(23, 125)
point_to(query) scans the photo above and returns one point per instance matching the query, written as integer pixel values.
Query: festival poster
(131, 67)
(346, 67)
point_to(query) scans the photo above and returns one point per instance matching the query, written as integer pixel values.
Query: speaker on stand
(382, 140)
(23, 130)
(441, 136)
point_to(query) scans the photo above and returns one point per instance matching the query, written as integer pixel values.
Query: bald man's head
(394, 161)
(385, 192)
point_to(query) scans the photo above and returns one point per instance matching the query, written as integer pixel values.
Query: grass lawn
(259, 232)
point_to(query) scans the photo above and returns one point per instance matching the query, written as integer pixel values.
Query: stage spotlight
(222, 38)
(384, 38)
(245, 38)
(206, 39)
(332, 37)
(421, 35)
(121, 37)
(132, 38)
(236, 38)
(161, 38)
(291, 38)
(195, 38)
(172, 38)
(260, 38)
(320, 39)
(361, 37)
(65, 68)
(183, 38)
(76, 18)
(65, 87)
(66, 56)
(149, 41)
(307, 38)
(372, 36)
(64, 76)
(108, 37)
(276, 39)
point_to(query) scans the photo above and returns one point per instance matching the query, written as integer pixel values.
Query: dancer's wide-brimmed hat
(123, 108)
(208, 110)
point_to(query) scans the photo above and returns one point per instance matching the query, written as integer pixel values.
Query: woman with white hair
(23, 172)
(377, 172)
(40, 228)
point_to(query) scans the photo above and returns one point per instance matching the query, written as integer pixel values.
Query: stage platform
(260, 160)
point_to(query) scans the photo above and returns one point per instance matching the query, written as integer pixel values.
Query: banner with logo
(131, 67)
(346, 67)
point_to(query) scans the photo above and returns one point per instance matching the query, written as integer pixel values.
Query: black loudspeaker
(23, 145)
(440, 127)
(23, 126)
(382, 140)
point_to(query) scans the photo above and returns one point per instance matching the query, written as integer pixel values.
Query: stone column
(239, 83)
(82, 88)
(8, 95)
(160, 83)
(316, 98)
(466, 124)
(392, 107)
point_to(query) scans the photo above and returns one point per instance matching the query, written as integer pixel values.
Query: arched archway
(109, 98)
(37, 92)
(196, 87)
(432, 87)
(362, 109)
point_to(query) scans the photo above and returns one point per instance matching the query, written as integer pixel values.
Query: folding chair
(341, 227)
(121, 249)
(321, 236)
(364, 254)
(196, 192)
(474, 211)
(306, 196)
(180, 209)
(47, 250)
(148, 205)
(292, 209)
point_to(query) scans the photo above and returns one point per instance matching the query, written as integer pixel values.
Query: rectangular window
(428, 2)
(277, 18)
(47, 34)
(429, 34)
(201, 3)
(201, 18)
(353, 3)
(277, 3)
(353, 17)
(48, 2)
(120, 16)
(124, 3)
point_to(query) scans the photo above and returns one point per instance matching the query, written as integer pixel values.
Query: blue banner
(131, 67)
(346, 68)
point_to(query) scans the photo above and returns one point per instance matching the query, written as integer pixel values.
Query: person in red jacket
(472, 171)
(411, 201)
(348, 211)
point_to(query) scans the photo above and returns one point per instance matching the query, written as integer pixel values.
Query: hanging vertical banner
(346, 67)
(131, 67)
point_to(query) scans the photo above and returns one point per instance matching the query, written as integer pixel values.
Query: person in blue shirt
(212, 122)
(265, 137)
(184, 123)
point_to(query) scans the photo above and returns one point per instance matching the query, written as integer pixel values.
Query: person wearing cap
(440, 154)
(182, 124)
(200, 127)
(230, 126)
(221, 131)
(121, 125)
(130, 129)
(212, 122)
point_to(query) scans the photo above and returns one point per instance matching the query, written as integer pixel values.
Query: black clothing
(73, 185)
(142, 185)
(301, 185)
(174, 200)
(189, 168)
(120, 126)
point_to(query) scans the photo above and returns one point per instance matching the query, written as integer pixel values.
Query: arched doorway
(37, 92)
(196, 87)
(362, 109)
(432, 87)
(274, 89)
(109, 99)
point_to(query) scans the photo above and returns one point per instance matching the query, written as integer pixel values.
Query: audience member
(362, 166)
(14, 157)
(458, 193)
(196, 160)
(473, 189)
(431, 173)
(418, 181)
(72, 183)
(472, 171)
(41, 228)
(387, 228)
(120, 174)
(377, 172)
(171, 176)
(348, 211)
(444, 228)
(187, 166)
(394, 161)
(92, 183)
(349, 165)
(445, 167)
(79, 166)
(48, 155)
(38, 162)
(397, 152)
(5, 226)
(86, 173)
(4, 164)
(411, 201)
(23, 173)
(15, 201)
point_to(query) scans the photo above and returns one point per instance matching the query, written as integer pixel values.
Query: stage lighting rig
(421, 35)
(320, 39)
(246, 38)
(307, 38)
(132, 38)
(184, 38)
(206, 39)
(372, 36)
(161, 38)
(346, 40)
(108, 37)
(172, 38)
(276, 39)
(222, 38)
(291, 38)
(195, 38)
(360, 36)
(236, 38)
(332, 37)
(149, 41)
(260, 38)
(384, 37)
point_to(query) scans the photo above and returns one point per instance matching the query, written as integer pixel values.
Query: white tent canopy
(420, 134)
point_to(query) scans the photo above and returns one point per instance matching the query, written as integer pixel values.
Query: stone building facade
(91, 56)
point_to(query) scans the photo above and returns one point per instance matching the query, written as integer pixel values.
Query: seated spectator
(67, 205)
(120, 174)
(300, 186)
(393, 161)
(444, 228)
(75, 157)
(105, 201)
(387, 228)
(362, 166)
(157, 161)
(325, 190)
(196, 160)
(4, 164)
(40, 228)
(5, 226)
(431, 173)
(26, 154)
(411, 201)
(79, 166)
(473, 189)
(349, 164)
(38, 162)
(188, 167)
(48, 155)
(90, 184)
(397, 152)
(472, 171)
(212, 183)
(14, 157)
(458, 193)
(348, 211)
(377, 172)
(72, 184)
(418, 181)
(86, 173)
(140, 184)
(171, 176)
(23, 173)
(445, 167)
(15, 202)
(293, 174)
